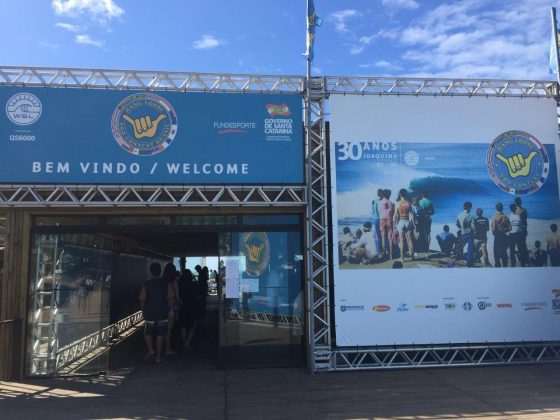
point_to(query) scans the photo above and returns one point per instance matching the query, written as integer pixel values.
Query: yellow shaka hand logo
(144, 126)
(517, 164)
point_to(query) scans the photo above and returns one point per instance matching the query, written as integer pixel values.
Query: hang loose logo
(517, 162)
(144, 126)
(518, 165)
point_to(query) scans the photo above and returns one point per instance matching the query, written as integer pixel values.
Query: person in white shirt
(364, 249)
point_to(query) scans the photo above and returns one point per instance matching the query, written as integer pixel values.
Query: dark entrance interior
(254, 311)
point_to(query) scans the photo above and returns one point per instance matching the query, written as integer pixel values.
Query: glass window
(205, 220)
(261, 299)
(68, 220)
(271, 219)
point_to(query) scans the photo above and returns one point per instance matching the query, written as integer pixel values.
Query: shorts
(480, 242)
(403, 225)
(157, 328)
(386, 225)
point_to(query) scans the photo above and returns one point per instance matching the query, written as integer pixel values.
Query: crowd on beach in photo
(404, 229)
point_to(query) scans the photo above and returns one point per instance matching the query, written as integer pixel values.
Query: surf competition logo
(144, 124)
(517, 162)
(24, 108)
(256, 247)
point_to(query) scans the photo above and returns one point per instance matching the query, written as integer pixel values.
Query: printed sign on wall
(58, 135)
(446, 227)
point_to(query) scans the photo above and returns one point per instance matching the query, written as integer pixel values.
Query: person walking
(170, 276)
(155, 300)
(188, 316)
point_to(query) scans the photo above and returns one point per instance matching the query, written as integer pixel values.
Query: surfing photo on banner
(447, 205)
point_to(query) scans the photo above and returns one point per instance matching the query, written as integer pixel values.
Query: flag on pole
(553, 63)
(312, 22)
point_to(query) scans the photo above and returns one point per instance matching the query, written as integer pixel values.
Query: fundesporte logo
(517, 162)
(144, 124)
(24, 108)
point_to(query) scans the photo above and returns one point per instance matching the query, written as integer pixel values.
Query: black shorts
(157, 328)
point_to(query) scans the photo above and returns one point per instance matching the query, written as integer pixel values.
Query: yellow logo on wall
(144, 124)
(256, 248)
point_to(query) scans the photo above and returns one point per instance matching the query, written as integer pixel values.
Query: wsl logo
(24, 109)
(257, 252)
(517, 162)
(144, 124)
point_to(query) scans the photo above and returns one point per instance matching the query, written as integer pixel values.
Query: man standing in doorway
(155, 301)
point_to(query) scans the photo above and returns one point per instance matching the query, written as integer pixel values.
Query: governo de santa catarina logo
(144, 124)
(517, 162)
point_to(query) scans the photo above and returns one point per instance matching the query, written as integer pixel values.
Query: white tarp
(457, 149)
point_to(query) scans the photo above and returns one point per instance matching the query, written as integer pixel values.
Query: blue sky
(463, 38)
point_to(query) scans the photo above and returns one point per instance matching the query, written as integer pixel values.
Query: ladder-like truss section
(153, 80)
(151, 195)
(267, 318)
(437, 356)
(446, 87)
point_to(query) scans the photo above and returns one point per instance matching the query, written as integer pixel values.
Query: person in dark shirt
(538, 256)
(155, 299)
(446, 241)
(481, 228)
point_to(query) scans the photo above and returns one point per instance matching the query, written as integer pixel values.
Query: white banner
(462, 194)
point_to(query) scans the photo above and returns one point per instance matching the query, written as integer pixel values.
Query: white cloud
(207, 42)
(99, 10)
(49, 45)
(355, 50)
(340, 19)
(87, 40)
(67, 26)
(477, 38)
(400, 4)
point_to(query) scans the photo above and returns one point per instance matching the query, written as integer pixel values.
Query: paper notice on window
(249, 285)
(232, 279)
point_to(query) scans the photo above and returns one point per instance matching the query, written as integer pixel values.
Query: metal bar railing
(79, 348)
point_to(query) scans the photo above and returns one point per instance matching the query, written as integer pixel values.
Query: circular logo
(411, 158)
(24, 108)
(343, 308)
(144, 124)
(517, 162)
(467, 306)
(256, 248)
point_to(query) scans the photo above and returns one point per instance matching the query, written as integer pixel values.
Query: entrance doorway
(87, 271)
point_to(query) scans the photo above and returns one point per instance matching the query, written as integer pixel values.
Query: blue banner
(63, 135)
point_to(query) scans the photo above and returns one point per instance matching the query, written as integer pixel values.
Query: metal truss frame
(446, 355)
(149, 80)
(151, 195)
(323, 355)
(443, 87)
(267, 318)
